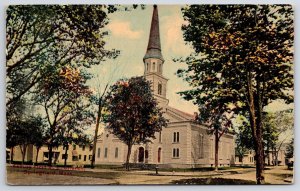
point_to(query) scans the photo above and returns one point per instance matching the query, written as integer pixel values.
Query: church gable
(175, 115)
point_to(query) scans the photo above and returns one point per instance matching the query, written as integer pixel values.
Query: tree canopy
(243, 58)
(134, 115)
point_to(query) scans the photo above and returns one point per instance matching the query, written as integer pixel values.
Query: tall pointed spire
(154, 49)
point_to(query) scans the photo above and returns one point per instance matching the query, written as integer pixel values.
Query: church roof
(180, 114)
(154, 48)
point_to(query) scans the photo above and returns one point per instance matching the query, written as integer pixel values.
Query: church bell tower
(154, 61)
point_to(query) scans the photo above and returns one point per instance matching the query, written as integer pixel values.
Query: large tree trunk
(37, 155)
(128, 156)
(256, 132)
(50, 154)
(260, 162)
(65, 159)
(23, 151)
(216, 149)
(96, 135)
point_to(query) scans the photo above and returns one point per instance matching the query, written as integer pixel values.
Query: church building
(183, 143)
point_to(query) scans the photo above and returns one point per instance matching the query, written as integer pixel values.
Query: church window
(153, 66)
(159, 68)
(176, 137)
(159, 89)
(175, 152)
(116, 152)
(98, 155)
(105, 153)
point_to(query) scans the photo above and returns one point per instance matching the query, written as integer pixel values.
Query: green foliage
(231, 40)
(65, 97)
(243, 58)
(133, 116)
(290, 149)
(51, 35)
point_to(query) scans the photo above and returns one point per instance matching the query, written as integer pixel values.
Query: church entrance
(141, 154)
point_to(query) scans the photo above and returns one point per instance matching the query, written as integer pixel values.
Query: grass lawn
(62, 171)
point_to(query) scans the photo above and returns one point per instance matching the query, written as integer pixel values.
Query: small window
(175, 152)
(153, 66)
(105, 153)
(91, 147)
(116, 152)
(159, 89)
(79, 157)
(98, 155)
(83, 148)
(84, 158)
(147, 67)
(176, 137)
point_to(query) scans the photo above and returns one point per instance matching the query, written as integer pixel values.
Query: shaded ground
(21, 176)
(213, 181)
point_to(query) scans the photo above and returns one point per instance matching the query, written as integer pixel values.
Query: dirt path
(275, 175)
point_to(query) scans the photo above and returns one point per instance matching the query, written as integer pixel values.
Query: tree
(275, 131)
(43, 35)
(243, 56)
(290, 149)
(133, 113)
(22, 127)
(65, 98)
(218, 118)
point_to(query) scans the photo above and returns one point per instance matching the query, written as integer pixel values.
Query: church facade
(183, 143)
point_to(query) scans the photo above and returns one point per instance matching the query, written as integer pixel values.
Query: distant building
(246, 160)
(183, 143)
(76, 155)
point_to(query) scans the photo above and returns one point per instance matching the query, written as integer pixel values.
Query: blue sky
(129, 33)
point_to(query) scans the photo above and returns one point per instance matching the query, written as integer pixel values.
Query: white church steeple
(154, 61)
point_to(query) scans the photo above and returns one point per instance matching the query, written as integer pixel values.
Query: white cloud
(122, 29)
(173, 36)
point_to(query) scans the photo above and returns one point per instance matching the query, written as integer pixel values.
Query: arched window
(147, 67)
(153, 66)
(159, 89)
(159, 68)
(159, 155)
